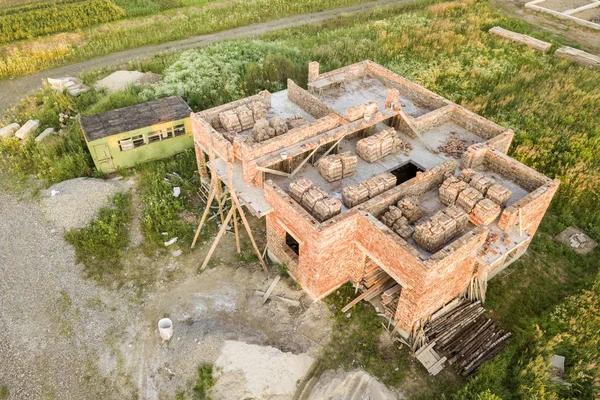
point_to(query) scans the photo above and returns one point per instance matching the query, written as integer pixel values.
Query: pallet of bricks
(465, 336)
(477, 194)
(243, 117)
(399, 217)
(353, 195)
(315, 200)
(381, 144)
(337, 166)
(442, 227)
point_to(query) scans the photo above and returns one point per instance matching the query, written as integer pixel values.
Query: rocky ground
(62, 336)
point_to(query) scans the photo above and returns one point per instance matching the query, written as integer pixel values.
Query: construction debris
(74, 86)
(454, 146)
(271, 288)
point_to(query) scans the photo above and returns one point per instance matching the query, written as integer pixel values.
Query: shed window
(179, 130)
(155, 137)
(131, 143)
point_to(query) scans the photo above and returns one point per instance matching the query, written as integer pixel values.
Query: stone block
(27, 128)
(9, 130)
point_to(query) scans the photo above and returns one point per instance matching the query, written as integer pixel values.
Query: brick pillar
(392, 98)
(405, 312)
(474, 156)
(201, 160)
(313, 71)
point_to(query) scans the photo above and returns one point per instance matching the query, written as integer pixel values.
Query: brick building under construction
(369, 178)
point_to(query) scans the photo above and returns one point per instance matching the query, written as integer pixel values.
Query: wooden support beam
(235, 222)
(366, 293)
(271, 288)
(216, 241)
(206, 210)
(236, 204)
(332, 147)
(304, 161)
(273, 171)
(215, 179)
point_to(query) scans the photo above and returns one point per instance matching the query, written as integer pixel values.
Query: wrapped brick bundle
(446, 222)
(312, 196)
(466, 174)
(391, 215)
(245, 116)
(296, 121)
(405, 231)
(374, 186)
(299, 187)
(262, 130)
(400, 223)
(230, 121)
(331, 168)
(327, 208)
(410, 209)
(279, 125)
(430, 236)
(484, 213)
(388, 179)
(259, 110)
(468, 198)
(369, 149)
(498, 194)
(458, 215)
(450, 189)
(386, 141)
(481, 182)
(353, 195)
(349, 161)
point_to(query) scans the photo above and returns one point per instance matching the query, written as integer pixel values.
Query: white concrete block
(27, 129)
(43, 135)
(9, 130)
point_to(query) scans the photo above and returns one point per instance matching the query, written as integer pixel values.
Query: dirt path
(14, 89)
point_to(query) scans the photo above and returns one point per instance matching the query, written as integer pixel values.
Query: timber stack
(465, 336)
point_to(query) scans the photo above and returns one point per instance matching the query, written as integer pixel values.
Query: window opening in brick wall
(292, 243)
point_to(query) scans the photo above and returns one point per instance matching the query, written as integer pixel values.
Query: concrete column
(201, 160)
(313, 71)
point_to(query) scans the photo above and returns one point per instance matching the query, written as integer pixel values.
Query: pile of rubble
(74, 86)
(337, 166)
(314, 199)
(381, 144)
(578, 240)
(400, 216)
(353, 195)
(442, 227)
(454, 146)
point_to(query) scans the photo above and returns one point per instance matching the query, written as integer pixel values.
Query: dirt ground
(64, 337)
(588, 39)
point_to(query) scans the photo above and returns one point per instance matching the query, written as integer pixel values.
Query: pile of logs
(465, 336)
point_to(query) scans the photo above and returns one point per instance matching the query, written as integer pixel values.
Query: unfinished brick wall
(309, 103)
(206, 136)
(527, 213)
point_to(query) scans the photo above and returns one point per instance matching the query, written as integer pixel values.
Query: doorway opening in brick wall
(406, 172)
(292, 244)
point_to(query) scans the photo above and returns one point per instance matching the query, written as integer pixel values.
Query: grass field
(192, 17)
(551, 105)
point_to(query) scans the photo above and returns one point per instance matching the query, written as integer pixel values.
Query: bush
(46, 18)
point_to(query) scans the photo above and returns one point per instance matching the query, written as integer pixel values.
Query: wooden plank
(332, 147)
(216, 241)
(521, 38)
(366, 293)
(270, 289)
(305, 160)
(273, 171)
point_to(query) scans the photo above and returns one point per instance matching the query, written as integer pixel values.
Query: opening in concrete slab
(406, 172)
(292, 243)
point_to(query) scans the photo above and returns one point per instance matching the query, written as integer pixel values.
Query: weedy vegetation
(99, 246)
(201, 385)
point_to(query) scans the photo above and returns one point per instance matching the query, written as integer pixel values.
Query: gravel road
(54, 324)
(13, 90)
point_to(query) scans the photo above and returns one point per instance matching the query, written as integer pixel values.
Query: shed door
(103, 155)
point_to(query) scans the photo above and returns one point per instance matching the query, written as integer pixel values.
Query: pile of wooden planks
(466, 337)
(376, 283)
(389, 300)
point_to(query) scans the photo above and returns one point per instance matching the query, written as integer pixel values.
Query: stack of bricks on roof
(427, 219)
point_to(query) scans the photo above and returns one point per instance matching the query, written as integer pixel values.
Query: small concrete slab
(521, 38)
(27, 129)
(43, 135)
(576, 240)
(579, 56)
(9, 130)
